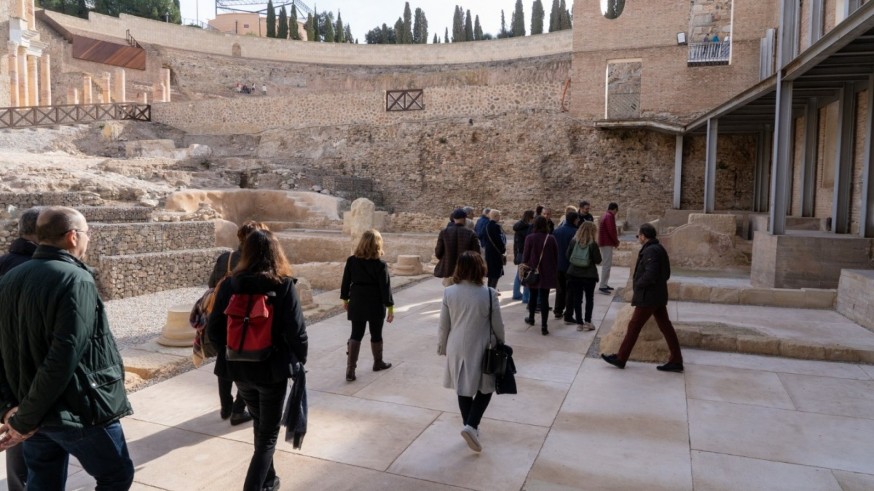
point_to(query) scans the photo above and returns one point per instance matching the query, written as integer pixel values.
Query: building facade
(26, 66)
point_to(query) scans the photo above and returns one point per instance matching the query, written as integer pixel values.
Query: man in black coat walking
(650, 298)
(20, 251)
(451, 243)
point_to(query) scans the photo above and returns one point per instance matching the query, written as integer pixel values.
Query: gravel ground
(136, 320)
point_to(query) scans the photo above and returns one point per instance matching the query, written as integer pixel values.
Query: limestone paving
(731, 421)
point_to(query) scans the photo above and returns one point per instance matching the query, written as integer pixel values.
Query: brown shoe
(378, 364)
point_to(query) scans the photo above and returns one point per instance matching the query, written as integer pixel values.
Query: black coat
(452, 242)
(494, 245)
(289, 330)
(521, 230)
(367, 287)
(221, 267)
(20, 251)
(651, 276)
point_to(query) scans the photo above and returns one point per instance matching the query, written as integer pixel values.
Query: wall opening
(623, 89)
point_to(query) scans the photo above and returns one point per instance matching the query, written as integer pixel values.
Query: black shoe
(605, 291)
(609, 288)
(544, 331)
(569, 321)
(529, 321)
(272, 487)
(225, 413)
(559, 315)
(240, 418)
(671, 367)
(613, 360)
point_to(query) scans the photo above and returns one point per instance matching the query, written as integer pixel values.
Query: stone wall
(709, 18)
(802, 260)
(116, 214)
(5, 100)
(141, 274)
(735, 172)
(856, 296)
(183, 37)
(27, 200)
(140, 238)
(257, 114)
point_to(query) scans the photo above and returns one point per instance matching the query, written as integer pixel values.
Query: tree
(554, 17)
(436, 39)
(292, 23)
(477, 30)
(503, 33)
(446, 36)
(458, 25)
(339, 30)
(399, 31)
(518, 20)
(468, 27)
(282, 31)
(162, 10)
(328, 27)
(407, 27)
(564, 17)
(348, 34)
(537, 15)
(311, 35)
(420, 27)
(317, 28)
(271, 20)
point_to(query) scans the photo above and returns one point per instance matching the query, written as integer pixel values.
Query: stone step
(803, 298)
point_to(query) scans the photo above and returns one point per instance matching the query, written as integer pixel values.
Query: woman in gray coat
(465, 332)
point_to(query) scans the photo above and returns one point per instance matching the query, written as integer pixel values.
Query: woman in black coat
(263, 270)
(494, 242)
(366, 295)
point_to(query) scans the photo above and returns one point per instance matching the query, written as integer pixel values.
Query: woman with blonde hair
(366, 294)
(583, 255)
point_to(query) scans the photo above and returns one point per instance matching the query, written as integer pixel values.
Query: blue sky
(364, 15)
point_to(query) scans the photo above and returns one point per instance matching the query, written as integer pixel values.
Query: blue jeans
(520, 291)
(265, 403)
(101, 450)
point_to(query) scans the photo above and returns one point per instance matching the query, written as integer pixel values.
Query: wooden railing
(26, 117)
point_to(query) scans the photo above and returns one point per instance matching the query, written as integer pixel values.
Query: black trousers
(577, 287)
(358, 328)
(265, 403)
(16, 469)
(493, 282)
(540, 295)
(226, 395)
(473, 408)
(562, 294)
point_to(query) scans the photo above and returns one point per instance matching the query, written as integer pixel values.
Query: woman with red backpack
(258, 328)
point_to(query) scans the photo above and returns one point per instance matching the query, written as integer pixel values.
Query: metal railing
(131, 41)
(404, 100)
(26, 117)
(709, 53)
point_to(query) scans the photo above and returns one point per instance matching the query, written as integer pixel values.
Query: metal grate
(623, 106)
(405, 100)
(709, 54)
(24, 117)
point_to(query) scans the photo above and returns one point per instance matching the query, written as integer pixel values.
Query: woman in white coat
(465, 332)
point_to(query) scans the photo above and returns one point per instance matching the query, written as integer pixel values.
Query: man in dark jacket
(451, 242)
(521, 229)
(563, 236)
(60, 364)
(482, 222)
(20, 252)
(585, 214)
(650, 299)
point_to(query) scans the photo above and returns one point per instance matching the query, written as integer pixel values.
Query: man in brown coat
(451, 243)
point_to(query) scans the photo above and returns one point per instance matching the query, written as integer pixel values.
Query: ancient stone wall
(257, 114)
(140, 238)
(27, 200)
(735, 172)
(5, 83)
(141, 274)
(116, 214)
(709, 18)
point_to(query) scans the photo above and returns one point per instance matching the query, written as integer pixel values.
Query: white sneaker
(471, 436)
(588, 326)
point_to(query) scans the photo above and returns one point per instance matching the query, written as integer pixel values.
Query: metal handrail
(30, 116)
(709, 53)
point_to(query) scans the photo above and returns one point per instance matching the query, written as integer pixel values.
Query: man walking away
(451, 243)
(20, 252)
(481, 222)
(59, 363)
(563, 236)
(608, 239)
(650, 299)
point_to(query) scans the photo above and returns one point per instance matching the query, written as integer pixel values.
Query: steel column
(808, 166)
(710, 166)
(844, 160)
(816, 11)
(780, 168)
(678, 172)
(866, 215)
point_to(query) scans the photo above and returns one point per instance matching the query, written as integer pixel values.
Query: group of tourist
(241, 88)
(62, 378)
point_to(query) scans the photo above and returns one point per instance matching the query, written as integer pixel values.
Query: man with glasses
(59, 364)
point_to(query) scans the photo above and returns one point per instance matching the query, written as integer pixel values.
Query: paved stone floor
(731, 422)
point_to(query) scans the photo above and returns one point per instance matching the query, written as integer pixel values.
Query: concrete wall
(669, 89)
(856, 296)
(182, 37)
(802, 260)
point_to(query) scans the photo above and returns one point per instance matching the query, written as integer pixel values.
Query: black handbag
(494, 358)
(529, 276)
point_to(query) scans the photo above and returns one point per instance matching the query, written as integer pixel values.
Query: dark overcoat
(651, 276)
(494, 244)
(452, 241)
(534, 244)
(367, 287)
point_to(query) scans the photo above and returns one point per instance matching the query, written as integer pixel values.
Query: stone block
(407, 265)
(723, 224)
(758, 345)
(836, 352)
(177, 330)
(789, 298)
(650, 346)
(816, 298)
(718, 342)
(725, 295)
(673, 291)
(361, 217)
(689, 336)
(694, 292)
(148, 364)
(756, 296)
(799, 349)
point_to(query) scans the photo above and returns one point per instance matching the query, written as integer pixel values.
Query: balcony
(709, 53)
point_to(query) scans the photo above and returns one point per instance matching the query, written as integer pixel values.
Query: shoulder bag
(580, 256)
(532, 276)
(494, 358)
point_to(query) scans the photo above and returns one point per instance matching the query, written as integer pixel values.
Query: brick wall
(113, 214)
(855, 298)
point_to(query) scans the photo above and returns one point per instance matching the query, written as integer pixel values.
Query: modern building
(248, 24)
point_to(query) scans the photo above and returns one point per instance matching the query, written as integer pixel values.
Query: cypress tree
(399, 31)
(408, 24)
(420, 27)
(518, 20)
(554, 17)
(436, 39)
(339, 31)
(458, 25)
(537, 15)
(468, 27)
(317, 29)
(503, 33)
(271, 20)
(282, 32)
(328, 27)
(477, 30)
(348, 34)
(311, 34)
(564, 16)
(292, 23)
(446, 36)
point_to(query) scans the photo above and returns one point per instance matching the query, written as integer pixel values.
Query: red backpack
(250, 326)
